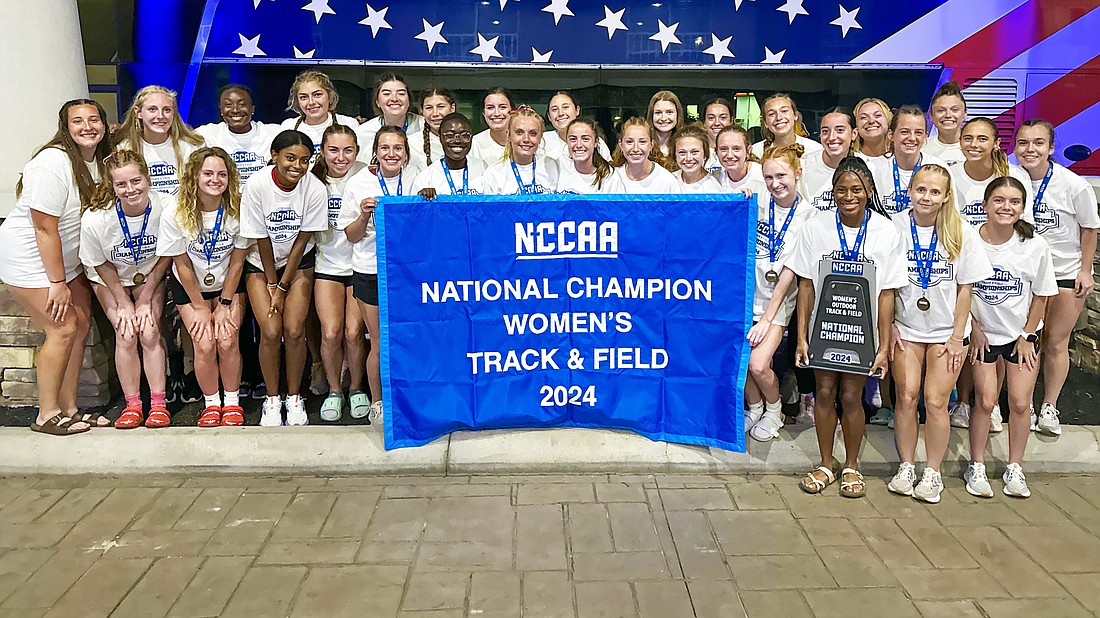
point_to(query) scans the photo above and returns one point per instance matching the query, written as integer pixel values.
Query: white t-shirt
(269, 212)
(969, 193)
(416, 148)
(882, 171)
(572, 181)
(175, 241)
(951, 153)
(500, 178)
(817, 181)
(553, 146)
(659, 182)
(881, 246)
(707, 184)
(333, 248)
(48, 187)
(869, 159)
(753, 180)
(486, 150)
(365, 134)
(1022, 267)
(317, 131)
(436, 178)
(1069, 204)
(102, 241)
(713, 165)
(971, 266)
(364, 257)
(164, 170)
(250, 151)
(809, 146)
(764, 290)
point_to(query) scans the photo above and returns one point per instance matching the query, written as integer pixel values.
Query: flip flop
(59, 425)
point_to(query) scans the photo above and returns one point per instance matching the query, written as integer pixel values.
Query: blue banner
(625, 312)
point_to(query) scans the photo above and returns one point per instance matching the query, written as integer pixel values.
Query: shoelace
(1014, 474)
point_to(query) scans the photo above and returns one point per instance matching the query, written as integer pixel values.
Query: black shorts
(344, 279)
(1067, 284)
(309, 260)
(180, 297)
(365, 288)
(1006, 351)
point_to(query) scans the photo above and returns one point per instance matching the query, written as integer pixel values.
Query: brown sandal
(92, 418)
(59, 425)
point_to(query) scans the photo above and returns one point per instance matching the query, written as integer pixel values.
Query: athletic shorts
(180, 297)
(1067, 284)
(1006, 351)
(309, 260)
(365, 288)
(344, 279)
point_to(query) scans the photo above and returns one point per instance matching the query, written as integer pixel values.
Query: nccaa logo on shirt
(824, 201)
(1002, 286)
(567, 239)
(1046, 218)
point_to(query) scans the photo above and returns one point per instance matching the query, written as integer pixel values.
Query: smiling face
(716, 117)
(391, 153)
(130, 186)
(871, 121)
(1004, 206)
(636, 144)
(581, 142)
(495, 110)
(524, 137)
(978, 141)
(733, 152)
(339, 151)
(156, 114)
(392, 97)
(213, 177)
(836, 134)
(236, 108)
(664, 116)
(910, 135)
(291, 163)
(948, 113)
(781, 179)
(928, 192)
(436, 109)
(313, 100)
(850, 195)
(779, 116)
(1034, 147)
(86, 128)
(457, 138)
(690, 156)
(562, 111)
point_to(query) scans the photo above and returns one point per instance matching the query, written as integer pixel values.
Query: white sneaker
(1015, 483)
(272, 413)
(753, 415)
(1048, 420)
(902, 483)
(977, 484)
(767, 428)
(996, 425)
(375, 416)
(960, 415)
(929, 487)
(296, 412)
(806, 409)
(1034, 419)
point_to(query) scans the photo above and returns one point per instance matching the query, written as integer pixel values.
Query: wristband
(282, 286)
(52, 281)
(272, 286)
(225, 301)
(958, 339)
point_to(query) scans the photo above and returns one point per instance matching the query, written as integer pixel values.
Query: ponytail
(1000, 159)
(320, 168)
(1023, 228)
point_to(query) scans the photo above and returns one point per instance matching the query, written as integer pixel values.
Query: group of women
(979, 265)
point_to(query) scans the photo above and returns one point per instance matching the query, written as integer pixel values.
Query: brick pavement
(543, 547)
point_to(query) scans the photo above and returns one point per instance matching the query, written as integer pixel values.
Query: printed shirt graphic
(500, 179)
(1022, 268)
(102, 241)
(269, 212)
(969, 193)
(1069, 204)
(816, 185)
(882, 171)
(175, 241)
(333, 249)
(971, 266)
(250, 151)
(952, 154)
(763, 290)
(164, 170)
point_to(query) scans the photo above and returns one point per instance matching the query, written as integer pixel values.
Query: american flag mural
(1016, 59)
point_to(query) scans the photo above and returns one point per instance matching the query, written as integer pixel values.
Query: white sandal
(767, 428)
(813, 485)
(846, 486)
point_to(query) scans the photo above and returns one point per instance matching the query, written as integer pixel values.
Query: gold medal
(208, 279)
(771, 276)
(139, 279)
(923, 304)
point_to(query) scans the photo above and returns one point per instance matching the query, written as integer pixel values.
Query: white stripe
(941, 29)
(1058, 55)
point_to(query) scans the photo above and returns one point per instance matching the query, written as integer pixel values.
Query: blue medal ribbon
(775, 241)
(211, 239)
(1042, 190)
(901, 198)
(921, 256)
(451, 182)
(134, 251)
(382, 183)
(525, 189)
(852, 255)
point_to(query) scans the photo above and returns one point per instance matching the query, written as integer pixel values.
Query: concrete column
(42, 66)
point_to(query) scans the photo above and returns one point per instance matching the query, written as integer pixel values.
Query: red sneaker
(211, 417)
(232, 416)
(130, 418)
(158, 417)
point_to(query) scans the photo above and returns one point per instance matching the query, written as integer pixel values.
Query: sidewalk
(576, 546)
(358, 449)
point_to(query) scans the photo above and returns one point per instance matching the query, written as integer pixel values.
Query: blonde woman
(873, 118)
(780, 126)
(640, 168)
(313, 100)
(153, 127)
(522, 171)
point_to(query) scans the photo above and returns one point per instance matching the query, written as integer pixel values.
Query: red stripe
(1060, 100)
(1008, 37)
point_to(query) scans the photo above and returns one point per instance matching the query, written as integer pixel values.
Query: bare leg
(330, 302)
(271, 332)
(127, 358)
(939, 376)
(760, 364)
(1061, 315)
(987, 389)
(374, 369)
(1021, 389)
(354, 344)
(907, 368)
(153, 354)
(81, 311)
(229, 349)
(854, 423)
(206, 359)
(825, 419)
(296, 308)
